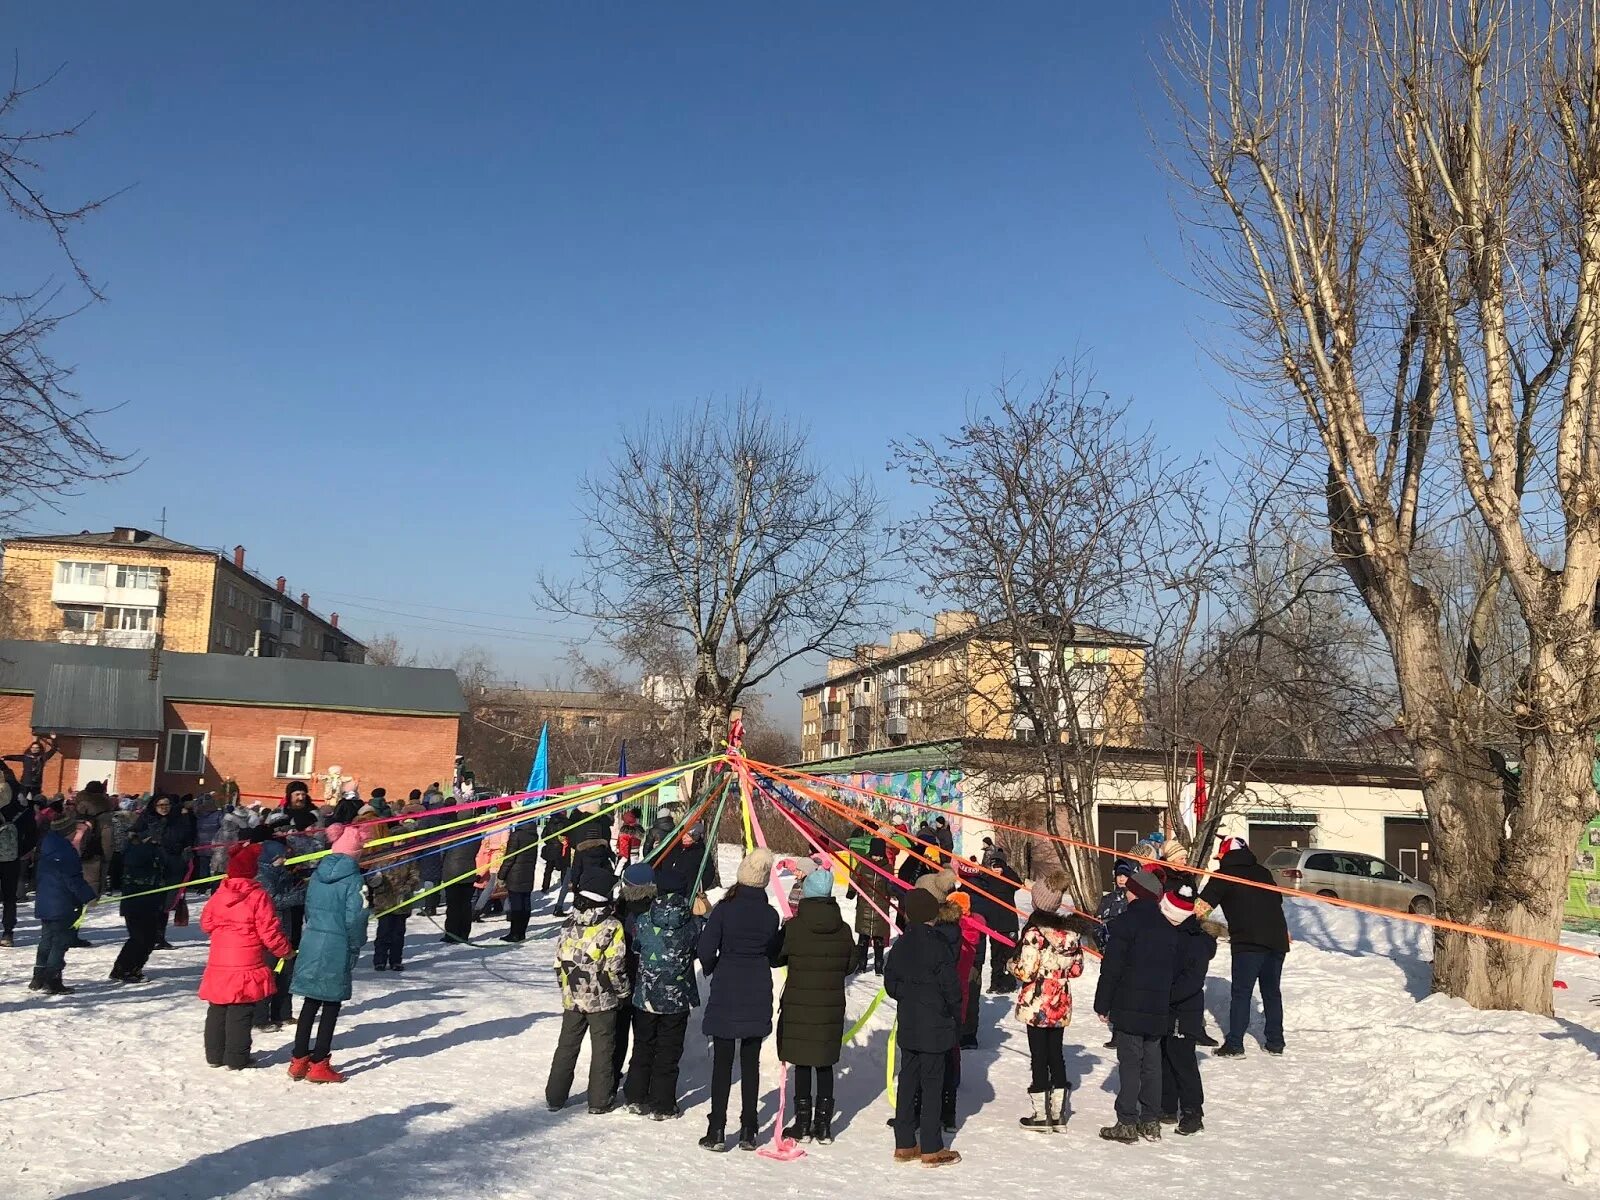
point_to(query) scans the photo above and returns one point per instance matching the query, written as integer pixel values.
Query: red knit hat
(1177, 904)
(243, 858)
(1230, 844)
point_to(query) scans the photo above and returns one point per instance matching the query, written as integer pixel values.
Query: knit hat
(380, 793)
(416, 794)
(1145, 885)
(639, 874)
(918, 907)
(671, 882)
(1049, 892)
(243, 858)
(366, 810)
(1177, 905)
(818, 885)
(939, 884)
(1122, 867)
(63, 823)
(1230, 844)
(962, 901)
(347, 839)
(756, 869)
(302, 819)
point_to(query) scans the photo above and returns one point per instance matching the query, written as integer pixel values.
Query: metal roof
(235, 679)
(97, 701)
(142, 539)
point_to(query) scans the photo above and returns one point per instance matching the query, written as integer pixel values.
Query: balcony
(121, 639)
(832, 723)
(98, 595)
(897, 726)
(289, 637)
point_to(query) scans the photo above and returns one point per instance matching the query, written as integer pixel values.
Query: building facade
(205, 721)
(126, 588)
(970, 681)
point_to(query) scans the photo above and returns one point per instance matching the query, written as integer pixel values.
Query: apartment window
(87, 574)
(230, 638)
(589, 723)
(80, 620)
(264, 610)
(138, 577)
(186, 751)
(130, 618)
(294, 757)
(290, 621)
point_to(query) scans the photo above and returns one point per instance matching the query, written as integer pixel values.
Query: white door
(97, 759)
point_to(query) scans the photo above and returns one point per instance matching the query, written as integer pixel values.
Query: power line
(523, 634)
(476, 612)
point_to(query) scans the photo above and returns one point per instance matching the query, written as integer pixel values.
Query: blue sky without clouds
(390, 276)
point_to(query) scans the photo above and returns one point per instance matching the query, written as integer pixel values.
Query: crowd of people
(644, 920)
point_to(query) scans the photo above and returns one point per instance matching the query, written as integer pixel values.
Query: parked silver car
(1349, 875)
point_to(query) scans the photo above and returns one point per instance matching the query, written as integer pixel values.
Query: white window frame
(205, 744)
(98, 623)
(310, 757)
(150, 576)
(149, 618)
(66, 569)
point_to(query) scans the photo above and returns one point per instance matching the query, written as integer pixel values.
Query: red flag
(1199, 785)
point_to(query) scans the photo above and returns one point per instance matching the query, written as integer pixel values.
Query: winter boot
(941, 1158)
(877, 956)
(822, 1123)
(36, 984)
(53, 985)
(1128, 1135)
(1228, 1052)
(1150, 1131)
(1169, 1118)
(299, 1066)
(747, 1136)
(947, 1110)
(716, 1139)
(907, 1156)
(5, 940)
(323, 1072)
(1042, 1120)
(1190, 1123)
(800, 1131)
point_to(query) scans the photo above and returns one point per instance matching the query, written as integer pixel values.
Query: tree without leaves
(47, 445)
(717, 529)
(1400, 203)
(1048, 516)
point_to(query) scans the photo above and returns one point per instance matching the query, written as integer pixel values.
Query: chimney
(334, 620)
(305, 599)
(238, 557)
(282, 583)
(126, 533)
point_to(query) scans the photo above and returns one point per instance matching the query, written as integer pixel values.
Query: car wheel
(1326, 892)
(1422, 906)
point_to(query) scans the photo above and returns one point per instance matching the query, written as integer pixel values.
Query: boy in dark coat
(870, 890)
(518, 869)
(921, 977)
(1182, 1097)
(142, 871)
(1258, 939)
(664, 993)
(1134, 996)
(61, 893)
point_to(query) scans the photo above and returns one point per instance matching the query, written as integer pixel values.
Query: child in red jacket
(244, 930)
(630, 836)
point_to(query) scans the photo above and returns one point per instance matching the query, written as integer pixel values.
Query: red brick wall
(392, 751)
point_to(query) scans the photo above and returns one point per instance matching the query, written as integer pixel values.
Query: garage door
(1264, 839)
(1407, 844)
(1121, 827)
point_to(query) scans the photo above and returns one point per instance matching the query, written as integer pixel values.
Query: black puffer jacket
(520, 866)
(820, 953)
(920, 975)
(1136, 974)
(1196, 948)
(460, 859)
(555, 850)
(994, 902)
(1255, 915)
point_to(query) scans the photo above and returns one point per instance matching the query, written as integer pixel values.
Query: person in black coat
(142, 871)
(556, 852)
(994, 902)
(1258, 936)
(518, 869)
(696, 860)
(911, 870)
(459, 867)
(738, 949)
(175, 831)
(1134, 996)
(1182, 1096)
(920, 977)
(19, 834)
(820, 955)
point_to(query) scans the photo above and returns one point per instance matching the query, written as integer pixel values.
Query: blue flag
(622, 760)
(539, 776)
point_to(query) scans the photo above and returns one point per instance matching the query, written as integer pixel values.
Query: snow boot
(36, 984)
(1228, 1052)
(941, 1158)
(1169, 1118)
(1042, 1119)
(323, 1072)
(1190, 1123)
(716, 1139)
(1128, 1135)
(747, 1136)
(5, 941)
(1150, 1131)
(800, 1131)
(53, 985)
(907, 1156)
(299, 1066)
(822, 1123)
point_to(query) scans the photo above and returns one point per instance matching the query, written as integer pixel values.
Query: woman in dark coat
(737, 950)
(518, 869)
(459, 867)
(174, 831)
(871, 891)
(818, 950)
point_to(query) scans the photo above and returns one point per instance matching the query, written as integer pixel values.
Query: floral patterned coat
(1047, 956)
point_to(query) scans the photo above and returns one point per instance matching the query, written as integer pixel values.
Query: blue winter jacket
(61, 889)
(665, 939)
(335, 931)
(738, 948)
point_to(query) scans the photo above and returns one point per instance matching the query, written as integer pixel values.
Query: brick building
(124, 587)
(207, 719)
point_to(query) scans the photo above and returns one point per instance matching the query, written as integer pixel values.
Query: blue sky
(388, 277)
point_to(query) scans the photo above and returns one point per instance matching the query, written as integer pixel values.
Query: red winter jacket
(243, 926)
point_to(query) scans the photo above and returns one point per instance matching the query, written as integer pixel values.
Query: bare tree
(47, 444)
(387, 650)
(718, 529)
(1049, 517)
(1398, 201)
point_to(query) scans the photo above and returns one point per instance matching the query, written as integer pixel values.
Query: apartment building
(120, 589)
(969, 680)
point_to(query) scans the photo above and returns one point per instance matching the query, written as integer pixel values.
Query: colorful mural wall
(890, 792)
(1583, 884)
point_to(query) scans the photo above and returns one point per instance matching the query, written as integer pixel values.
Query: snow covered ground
(105, 1095)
